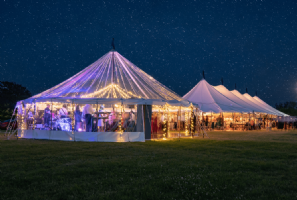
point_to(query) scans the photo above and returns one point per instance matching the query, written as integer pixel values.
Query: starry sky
(252, 43)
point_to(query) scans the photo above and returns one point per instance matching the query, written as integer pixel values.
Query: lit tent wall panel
(268, 106)
(211, 100)
(223, 90)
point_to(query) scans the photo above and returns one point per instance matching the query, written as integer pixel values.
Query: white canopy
(246, 95)
(222, 89)
(220, 99)
(255, 107)
(211, 100)
(269, 107)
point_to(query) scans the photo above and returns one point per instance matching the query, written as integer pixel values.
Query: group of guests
(217, 122)
(88, 120)
(86, 115)
(48, 115)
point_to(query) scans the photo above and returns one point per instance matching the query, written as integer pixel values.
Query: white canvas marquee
(219, 99)
(240, 101)
(269, 107)
(211, 100)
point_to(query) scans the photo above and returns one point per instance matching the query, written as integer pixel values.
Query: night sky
(252, 43)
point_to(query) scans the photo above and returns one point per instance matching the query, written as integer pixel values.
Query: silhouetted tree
(10, 94)
(289, 108)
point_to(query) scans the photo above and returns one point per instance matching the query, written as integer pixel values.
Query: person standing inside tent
(101, 120)
(206, 121)
(269, 125)
(252, 125)
(47, 115)
(95, 123)
(63, 112)
(77, 116)
(87, 114)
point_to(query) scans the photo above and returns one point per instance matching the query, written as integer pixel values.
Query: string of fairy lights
(111, 76)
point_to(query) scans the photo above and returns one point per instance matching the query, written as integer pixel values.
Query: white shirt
(63, 111)
(162, 118)
(132, 116)
(87, 109)
(30, 115)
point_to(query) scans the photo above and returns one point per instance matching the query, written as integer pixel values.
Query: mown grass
(229, 165)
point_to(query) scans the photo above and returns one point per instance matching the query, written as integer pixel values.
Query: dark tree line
(289, 108)
(10, 94)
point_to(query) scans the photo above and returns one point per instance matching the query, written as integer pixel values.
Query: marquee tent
(211, 100)
(256, 107)
(268, 110)
(240, 101)
(268, 106)
(238, 109)
(120, 94)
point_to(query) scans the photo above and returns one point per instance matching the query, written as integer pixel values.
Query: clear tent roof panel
(111, 76)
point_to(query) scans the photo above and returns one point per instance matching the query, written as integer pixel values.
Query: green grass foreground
(229, 165)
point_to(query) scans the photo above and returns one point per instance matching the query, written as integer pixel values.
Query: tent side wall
(34, 125)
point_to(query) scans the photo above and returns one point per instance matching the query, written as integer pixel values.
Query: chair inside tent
(110, 100)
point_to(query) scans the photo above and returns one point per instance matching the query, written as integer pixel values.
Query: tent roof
(255, 107)
(110, 77)
(246, 95)
(222, 89)
(211, 100)
(269, 107)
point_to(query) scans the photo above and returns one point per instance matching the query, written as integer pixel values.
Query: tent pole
(179, 120)
(34, 113)
(202, 122)
(72, 121)
(211, 120)
(51, 114)
(97, 117)
(196, 122)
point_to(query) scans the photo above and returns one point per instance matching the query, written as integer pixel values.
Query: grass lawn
(229, 165)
